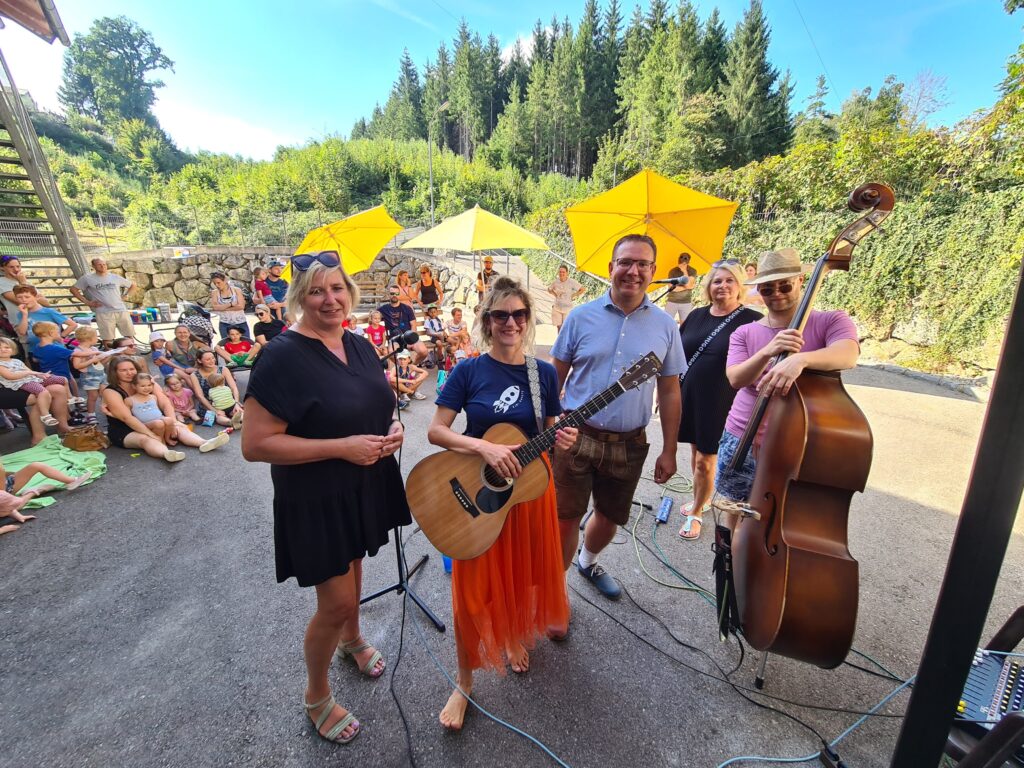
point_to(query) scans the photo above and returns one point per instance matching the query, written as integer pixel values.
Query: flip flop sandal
(688, 527)
(334, 734)
(351, 649)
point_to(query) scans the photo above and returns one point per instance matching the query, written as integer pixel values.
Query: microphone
(673, 281)
(403, 339)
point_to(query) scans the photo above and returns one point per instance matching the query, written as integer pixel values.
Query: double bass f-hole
(770, 529)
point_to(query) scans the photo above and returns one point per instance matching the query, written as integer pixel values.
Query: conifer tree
(757, 110)
(403, 113)
(436, 91)
(636, 42)
(468, 91)
(494, 87)
(816, 123)
(710, 63)
(541, 44)
(516, 71)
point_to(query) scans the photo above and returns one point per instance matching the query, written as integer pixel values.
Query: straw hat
(779, 265)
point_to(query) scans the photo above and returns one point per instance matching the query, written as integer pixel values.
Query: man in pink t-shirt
(828, 342)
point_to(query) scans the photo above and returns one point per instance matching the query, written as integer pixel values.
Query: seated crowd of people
(64, 374)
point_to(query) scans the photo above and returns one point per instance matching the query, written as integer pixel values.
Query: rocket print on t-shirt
(509, 399)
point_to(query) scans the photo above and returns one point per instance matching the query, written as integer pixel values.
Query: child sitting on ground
(377, 333)
(14, 374)
(409, 376)
(161, 357)
(182, 399)
(144, 404)
(88, 361)
(238, 350)
(53, 357)
(223, 402)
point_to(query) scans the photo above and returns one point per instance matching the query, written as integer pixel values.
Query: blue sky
(249, 77)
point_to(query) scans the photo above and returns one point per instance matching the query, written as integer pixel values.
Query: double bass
(796, 582)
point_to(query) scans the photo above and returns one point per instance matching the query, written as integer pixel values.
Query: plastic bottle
(447, 561)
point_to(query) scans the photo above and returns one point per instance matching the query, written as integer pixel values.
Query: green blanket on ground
(51, 451)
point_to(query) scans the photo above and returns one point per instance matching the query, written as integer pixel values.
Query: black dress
(328, 513)
(706, 392)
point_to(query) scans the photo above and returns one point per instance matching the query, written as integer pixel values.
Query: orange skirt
(515, 591)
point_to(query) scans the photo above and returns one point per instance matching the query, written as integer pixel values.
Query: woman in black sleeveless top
(427, 289)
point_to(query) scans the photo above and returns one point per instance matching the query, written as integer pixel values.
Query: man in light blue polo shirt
(599, 341)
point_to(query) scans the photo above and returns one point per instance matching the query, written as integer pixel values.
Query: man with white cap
(828, 342)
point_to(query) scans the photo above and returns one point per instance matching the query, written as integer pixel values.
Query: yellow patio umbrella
(676, 217)
(476, 230)
(357, 239)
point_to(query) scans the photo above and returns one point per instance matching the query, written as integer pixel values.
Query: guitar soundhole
(493, 480)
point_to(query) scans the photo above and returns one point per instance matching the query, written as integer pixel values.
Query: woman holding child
(158, 436)
(208, 374)
(337, 486)
(513, 593)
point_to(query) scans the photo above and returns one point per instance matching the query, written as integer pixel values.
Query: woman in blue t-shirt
(506, 598)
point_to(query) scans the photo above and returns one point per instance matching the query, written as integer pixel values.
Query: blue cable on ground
(833, 743)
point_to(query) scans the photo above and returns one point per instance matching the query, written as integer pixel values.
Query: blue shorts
(9, 485)
(91, 379)
(734, 485)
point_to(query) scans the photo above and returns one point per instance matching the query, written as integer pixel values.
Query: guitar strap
(534, 377)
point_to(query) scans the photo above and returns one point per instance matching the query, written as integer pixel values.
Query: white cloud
(35, 64)
(525, 40)
(192, 127)
(393, 7)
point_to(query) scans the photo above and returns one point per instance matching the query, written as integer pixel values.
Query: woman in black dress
(707, 395)
(319, 411)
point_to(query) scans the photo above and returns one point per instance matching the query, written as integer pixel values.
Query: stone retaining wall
(169, 275)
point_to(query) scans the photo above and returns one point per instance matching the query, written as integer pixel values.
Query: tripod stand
(402, 585)
(404, 574)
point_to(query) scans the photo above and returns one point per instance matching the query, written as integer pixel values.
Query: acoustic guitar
(461, 502)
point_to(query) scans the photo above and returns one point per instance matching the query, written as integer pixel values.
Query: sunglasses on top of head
(781, 288)
(304, 261)
(726, 263)
(501, 317)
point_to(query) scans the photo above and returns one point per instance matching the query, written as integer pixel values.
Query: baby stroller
(197, 320)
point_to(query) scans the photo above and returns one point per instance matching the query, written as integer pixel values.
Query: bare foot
(22, 518)
(77, 481)
(518, 659)
(8, 529)
(44, 489)
(336, 716)
(454, 711)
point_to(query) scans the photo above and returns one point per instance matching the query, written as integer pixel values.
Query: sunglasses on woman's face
(304, 261)
(767, 290)
(501, 317)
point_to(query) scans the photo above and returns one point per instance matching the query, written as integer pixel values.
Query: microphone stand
(404, 573)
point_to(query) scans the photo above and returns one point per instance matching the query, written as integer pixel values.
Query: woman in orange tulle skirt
(514, 593)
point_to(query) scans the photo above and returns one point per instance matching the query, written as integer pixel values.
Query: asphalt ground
(141, 625)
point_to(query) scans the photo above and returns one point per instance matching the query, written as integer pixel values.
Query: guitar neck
(536, 446)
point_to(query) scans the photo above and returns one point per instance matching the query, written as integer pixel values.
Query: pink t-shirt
(823, 328)
(182, 401)
(376, 335)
